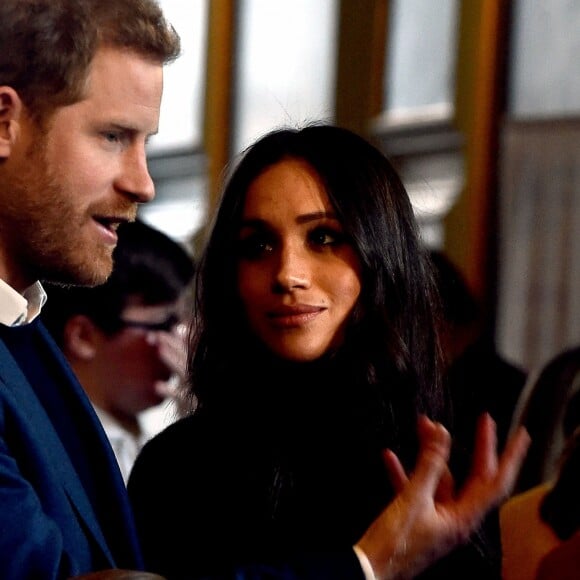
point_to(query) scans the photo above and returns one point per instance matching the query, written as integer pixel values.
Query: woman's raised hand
(428, 517)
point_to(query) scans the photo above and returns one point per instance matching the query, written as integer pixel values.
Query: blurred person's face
(66, 188)
(138, 366)
(298, 275)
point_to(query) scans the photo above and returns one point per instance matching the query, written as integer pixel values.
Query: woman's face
(298, 275)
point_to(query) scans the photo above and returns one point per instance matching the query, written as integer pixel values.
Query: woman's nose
(292, 271)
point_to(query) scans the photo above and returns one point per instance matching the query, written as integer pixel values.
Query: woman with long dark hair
(315, 348)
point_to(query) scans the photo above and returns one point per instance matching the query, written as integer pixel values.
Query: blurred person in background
(540, 527)
(542, 407)
(477, 377)
(125, 339)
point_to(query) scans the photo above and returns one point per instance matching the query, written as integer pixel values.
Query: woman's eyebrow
(301, 219)
(317, 215)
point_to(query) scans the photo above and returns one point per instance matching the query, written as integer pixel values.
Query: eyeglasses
(166, 325)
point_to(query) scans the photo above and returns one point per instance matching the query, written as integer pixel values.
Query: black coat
(210, 493)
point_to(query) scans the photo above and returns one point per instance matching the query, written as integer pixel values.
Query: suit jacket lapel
(58, 457)
(116, 516)
(120, 527)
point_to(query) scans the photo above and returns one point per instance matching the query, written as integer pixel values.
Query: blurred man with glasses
(125, 338)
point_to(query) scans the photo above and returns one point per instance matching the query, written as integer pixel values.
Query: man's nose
(135, 179)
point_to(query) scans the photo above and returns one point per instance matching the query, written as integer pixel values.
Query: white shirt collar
(126, 446)
(17, 309)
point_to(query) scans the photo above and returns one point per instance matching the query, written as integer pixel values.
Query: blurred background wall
(477, 102)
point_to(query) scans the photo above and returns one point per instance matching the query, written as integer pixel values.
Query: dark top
(203, 497)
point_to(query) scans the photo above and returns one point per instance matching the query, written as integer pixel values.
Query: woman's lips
(294, 316)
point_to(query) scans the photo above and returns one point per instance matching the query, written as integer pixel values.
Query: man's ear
(11, 107)
(80, 337)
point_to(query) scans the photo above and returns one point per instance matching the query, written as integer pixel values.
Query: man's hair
(148, 266)
(47, 46)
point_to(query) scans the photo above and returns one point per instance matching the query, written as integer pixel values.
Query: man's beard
(40, 223)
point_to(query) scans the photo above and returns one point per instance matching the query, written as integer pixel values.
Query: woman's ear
(80, 338)
(10, 117)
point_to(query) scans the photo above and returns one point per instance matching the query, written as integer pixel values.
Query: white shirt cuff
(365, 564)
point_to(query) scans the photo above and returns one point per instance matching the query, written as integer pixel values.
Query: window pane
(546, 49)
(180, 124)
(421, 56)
(286, 65)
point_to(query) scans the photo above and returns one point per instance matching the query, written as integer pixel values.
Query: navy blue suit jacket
(64, 508)
(56, 518)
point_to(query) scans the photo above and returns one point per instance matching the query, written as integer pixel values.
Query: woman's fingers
(426, 519)
(491, 480)
(435, 445)
(512, 458)
(485, 450)
(431, 466)
(446, 489)
(396, 472)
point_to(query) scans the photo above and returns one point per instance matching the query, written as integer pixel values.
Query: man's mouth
(111, 223)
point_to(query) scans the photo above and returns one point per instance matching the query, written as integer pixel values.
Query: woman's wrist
(365, 563)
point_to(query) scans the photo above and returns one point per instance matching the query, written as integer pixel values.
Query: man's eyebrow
(131, 128)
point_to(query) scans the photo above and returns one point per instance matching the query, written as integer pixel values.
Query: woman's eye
(253, 247)
(326, 237)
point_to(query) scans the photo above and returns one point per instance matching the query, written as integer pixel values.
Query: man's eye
(112, 136)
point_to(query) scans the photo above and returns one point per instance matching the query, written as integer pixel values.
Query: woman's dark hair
(392, 345)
